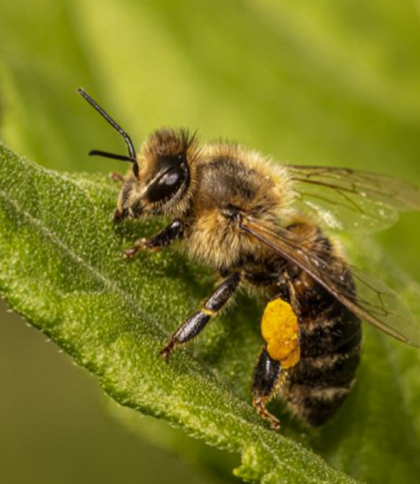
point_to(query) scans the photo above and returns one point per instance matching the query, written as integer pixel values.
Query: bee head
(165, 161)
(160, 181)
(161, 184)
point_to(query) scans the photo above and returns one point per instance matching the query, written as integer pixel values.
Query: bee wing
(346, 199)
(372, 301)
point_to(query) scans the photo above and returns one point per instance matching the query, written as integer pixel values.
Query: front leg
(174, 231)
(197, 322)
(116, 177)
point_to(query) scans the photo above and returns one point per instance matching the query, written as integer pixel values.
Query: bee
(265, 226)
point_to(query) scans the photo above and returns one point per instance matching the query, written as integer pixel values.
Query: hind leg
(266, 379)
(280, 330)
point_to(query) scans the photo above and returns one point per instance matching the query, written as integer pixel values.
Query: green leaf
(325, 82)
(61, 267)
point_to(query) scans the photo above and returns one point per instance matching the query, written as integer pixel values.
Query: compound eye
(166, 186)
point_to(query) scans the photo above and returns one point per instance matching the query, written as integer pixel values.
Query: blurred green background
(326, 82)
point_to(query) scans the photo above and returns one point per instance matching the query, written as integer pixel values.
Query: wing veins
(331, 201)
(360, 306)
(351, 189)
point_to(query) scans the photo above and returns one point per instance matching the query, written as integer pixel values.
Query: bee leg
(174, 231)
(116, 177)
(280, 330)
(197, 322)
(266, 378)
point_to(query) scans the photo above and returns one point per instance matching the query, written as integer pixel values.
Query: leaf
(61, 267)
(326, 82)
(216, 464)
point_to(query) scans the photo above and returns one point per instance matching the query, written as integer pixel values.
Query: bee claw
(167, 350)
(116, 177)
(130, 253)
(259, 404)
(275, 425)
(140, 244)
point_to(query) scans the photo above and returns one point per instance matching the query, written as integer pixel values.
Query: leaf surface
(61, 267)
(329, 82)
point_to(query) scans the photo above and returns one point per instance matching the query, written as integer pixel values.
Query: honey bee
(264, 226)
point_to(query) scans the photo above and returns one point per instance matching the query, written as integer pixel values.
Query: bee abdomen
(315, 406)
(319, 384)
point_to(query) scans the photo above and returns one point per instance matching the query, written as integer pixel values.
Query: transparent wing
(346, 199)
(372, 301)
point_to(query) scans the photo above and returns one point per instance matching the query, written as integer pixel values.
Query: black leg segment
(174, 231)
(266, 377)
(222, 294)
(197, 322)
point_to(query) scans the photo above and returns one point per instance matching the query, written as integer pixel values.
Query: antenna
(106, 154)
(132, 158)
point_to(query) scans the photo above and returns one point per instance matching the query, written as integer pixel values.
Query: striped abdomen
(330, 353)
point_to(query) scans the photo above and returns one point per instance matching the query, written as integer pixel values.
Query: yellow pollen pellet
(280, 330)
